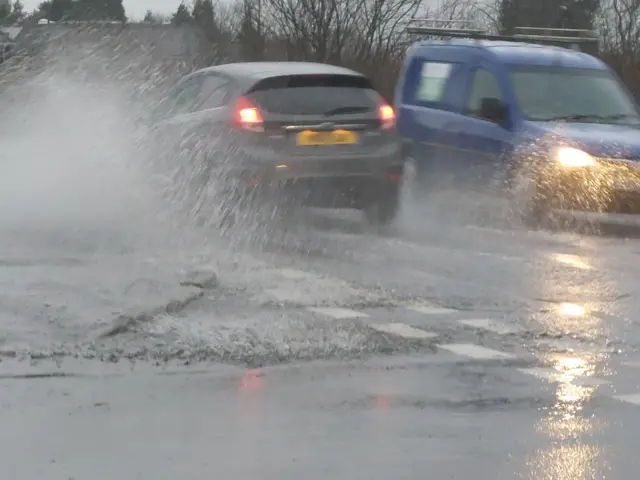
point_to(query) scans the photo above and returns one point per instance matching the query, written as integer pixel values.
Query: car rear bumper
(354, 169)
(347, 182)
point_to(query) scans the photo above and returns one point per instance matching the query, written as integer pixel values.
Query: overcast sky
(135, 8)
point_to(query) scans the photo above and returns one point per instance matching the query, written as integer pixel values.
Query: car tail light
(394, 174)
(247, 116)
(387, 116)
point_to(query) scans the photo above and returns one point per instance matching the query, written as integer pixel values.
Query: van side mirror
(494, 110)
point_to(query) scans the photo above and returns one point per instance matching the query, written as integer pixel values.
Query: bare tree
(619, 26)
(250, 32)
(154, 17)
(307, 29)
(379, 30)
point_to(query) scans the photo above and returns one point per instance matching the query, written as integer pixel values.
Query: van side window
(483, 85)
(433, 81)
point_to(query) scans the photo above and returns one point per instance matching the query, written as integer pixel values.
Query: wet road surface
(326, 349)
(392, 417)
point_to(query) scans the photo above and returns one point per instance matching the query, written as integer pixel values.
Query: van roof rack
(576, 39)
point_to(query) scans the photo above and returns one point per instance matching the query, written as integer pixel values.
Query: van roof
(516, 52)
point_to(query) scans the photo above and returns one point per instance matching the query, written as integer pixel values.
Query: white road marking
(633, 398)
(293, 274)
(282, 295)
(287, 295)
(339, 313)
(490, 326)
(402, 330)
(542, 373)
(589, 381)
(288, 285)
(572, 261)
(556, 376)
(631, 363)
(561, 345)
(475, 351)
(429, 309)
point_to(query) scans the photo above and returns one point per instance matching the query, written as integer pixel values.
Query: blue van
(478, 113)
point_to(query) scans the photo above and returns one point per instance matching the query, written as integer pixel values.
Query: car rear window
(314, 94)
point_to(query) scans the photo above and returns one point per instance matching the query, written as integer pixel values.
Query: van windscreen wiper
(585, 118)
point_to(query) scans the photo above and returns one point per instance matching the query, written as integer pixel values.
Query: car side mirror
(494, 110)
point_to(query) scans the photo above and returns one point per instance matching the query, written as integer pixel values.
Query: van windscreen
(546, 93)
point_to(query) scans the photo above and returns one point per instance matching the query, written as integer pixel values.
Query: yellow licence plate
(336, 137)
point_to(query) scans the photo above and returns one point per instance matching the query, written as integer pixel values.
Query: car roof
(256, 71)
(518, 53)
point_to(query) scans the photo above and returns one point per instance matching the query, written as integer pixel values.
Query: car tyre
(536, 215)
(536, 211)
(413, 180)
(384, 209)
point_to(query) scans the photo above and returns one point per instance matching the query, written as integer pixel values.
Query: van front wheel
(536, 210)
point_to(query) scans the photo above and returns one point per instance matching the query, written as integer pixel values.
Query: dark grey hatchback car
(314, 134)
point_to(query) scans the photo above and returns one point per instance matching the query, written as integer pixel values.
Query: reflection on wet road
(326, 349)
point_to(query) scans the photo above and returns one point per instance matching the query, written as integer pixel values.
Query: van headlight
(573, 157)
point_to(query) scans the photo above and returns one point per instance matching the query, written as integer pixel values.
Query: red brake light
(387, 116)
(246, 115)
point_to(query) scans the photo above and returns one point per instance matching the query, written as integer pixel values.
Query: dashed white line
(560, 377)
(541, 373)
(292, 274)
(428, 309)
(283, 295)
(589, 381)
(561, 345)
(633, 398)
(490, 326)
(338, 313)
(631, 363)
(475, 351)
(402, 330)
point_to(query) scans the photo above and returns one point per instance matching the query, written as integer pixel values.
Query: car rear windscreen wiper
(353, 109)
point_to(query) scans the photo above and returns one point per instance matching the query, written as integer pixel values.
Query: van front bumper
(607, 186)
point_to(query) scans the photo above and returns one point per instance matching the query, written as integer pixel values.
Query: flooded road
(137, 345)
(326, 348)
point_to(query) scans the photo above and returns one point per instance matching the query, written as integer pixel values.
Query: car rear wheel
(246, 208)
(413, 180)
(383, 209)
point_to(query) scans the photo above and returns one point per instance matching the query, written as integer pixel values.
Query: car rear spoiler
(576, 39)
